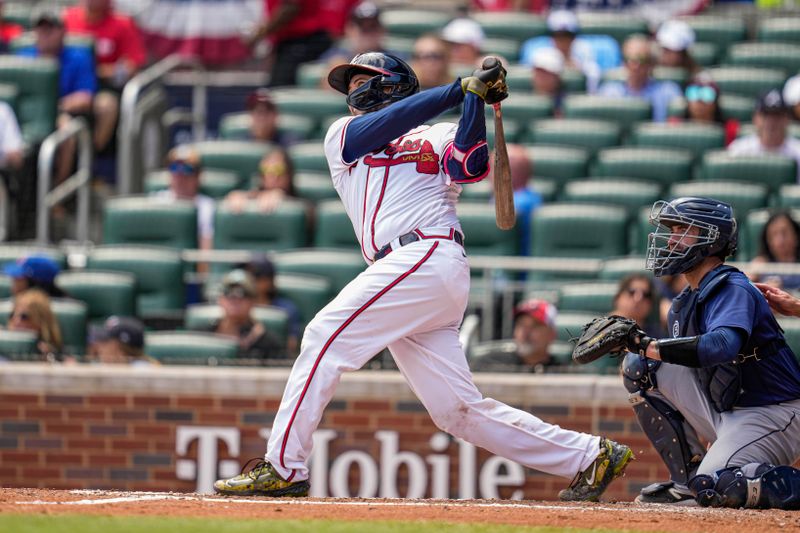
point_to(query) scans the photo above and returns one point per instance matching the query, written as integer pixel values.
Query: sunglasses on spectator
(430, 56)
(641, 60)
(182, 168)
(701, 93)
(645, 293)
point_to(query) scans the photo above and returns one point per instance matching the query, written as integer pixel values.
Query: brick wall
(106, 427)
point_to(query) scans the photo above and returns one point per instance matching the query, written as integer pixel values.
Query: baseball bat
(504, 213)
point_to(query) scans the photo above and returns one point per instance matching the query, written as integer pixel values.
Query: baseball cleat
(592, 482)
(666, 493)
(262, 480)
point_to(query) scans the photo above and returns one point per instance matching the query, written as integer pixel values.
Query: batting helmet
(392, 80)
(675, 252)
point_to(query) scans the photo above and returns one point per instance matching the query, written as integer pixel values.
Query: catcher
(725, 376)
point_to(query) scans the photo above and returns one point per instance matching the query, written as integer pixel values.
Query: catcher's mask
(392, 80)
(675, 248)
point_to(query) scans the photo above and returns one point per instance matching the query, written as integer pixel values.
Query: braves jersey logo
(416, 151)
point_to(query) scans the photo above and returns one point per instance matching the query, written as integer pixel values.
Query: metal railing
(144, 120)
(78, 183)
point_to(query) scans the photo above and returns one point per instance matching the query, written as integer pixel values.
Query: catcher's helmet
(388, 71)
(672, 252)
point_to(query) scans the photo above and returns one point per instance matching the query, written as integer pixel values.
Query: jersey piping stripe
(423, 236)
(377, 207)
(333, 338)
(777, 430)
(341, 144)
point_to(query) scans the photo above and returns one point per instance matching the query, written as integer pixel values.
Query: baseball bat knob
(490, 62)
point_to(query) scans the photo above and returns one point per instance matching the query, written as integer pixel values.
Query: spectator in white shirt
(771, 120)
(11, 144)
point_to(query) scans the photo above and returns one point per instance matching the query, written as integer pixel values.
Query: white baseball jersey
(412, 301)
(402, 188)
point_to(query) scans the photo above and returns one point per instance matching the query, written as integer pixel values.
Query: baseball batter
(726, 375)
(399, 180)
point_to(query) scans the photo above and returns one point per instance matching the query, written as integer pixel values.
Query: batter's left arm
(467, 159)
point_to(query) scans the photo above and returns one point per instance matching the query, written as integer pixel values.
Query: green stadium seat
(630, 194)
(732, 106)
(333, 227)
(241, 157)
(105, 293)
(511, 25)
(414, 22)
(744, 197)
(779, 29)
(9, 94)
(639, 230)
(214, 183)
(505, 48)
(274, 319)
(618, 267)
(791, 332)
(674, 74)
(236, 126)
(747, 81)
(282, 229)
(595, 297)
(693, 136)
(316, 103)
(340, 267)
(559, 163)
(158, 271)
(658, 165)
(19, 13)
(72, 319)
(750, 129)
(547, 188)
(612, 24)
(481, 234)
(579, 230)
(478, 192)
(524, 108)
(36, 80)
(311, 74)
(310, 293)
(720, 30)
(314, 186)
(309, 156)
(750, 232)
(788, 196)
(623, 111)
(518, 78)
(583, 133)
(5, 286)
(513, 130)
(399, 44)
(573, 80)
(569, 324)
(782, 56)
(149, 220)
(190, 347)
(771, 170)
(704, 54)
(18, 345)
(12, 251)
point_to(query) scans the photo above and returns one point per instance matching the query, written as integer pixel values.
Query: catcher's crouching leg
(753, 486)
(662, 423)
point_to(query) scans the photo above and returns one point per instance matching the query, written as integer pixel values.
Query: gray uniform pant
(769, 434)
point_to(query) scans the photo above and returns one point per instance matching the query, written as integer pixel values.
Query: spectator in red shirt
(298, 33)
(119, 55)
(8, 31)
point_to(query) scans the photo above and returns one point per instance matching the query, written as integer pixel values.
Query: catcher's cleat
(666, 493)
(262, 480)
(592, 482)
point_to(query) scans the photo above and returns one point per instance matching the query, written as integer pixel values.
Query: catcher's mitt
(611, 334)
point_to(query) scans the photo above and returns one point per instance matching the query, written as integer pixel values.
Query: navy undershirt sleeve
(367, 133)
(721, 345)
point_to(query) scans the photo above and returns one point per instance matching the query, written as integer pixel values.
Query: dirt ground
(601, 515)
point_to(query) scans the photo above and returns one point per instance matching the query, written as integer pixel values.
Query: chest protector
(722, 383)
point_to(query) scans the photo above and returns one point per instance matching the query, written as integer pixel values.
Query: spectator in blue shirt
(77, 81)
(639, 60)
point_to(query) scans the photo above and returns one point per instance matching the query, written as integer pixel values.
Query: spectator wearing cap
(534, 332)
(237, 301)
(8, 31)
(264, 119)
(297, 32)
(771, 119)
(120, 341)
(262, 271)
(364, 32)
(465, 37)
(639, 60)
(32, 312)
(77, 82)
(34, 272)
(119, 54)
(548, 66)
(275, 184)
(431, 61)
(791, 95)
(675, 37)
(702, 105)
(563, 28)
(183, 163)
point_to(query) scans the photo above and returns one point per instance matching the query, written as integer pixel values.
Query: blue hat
(37, 268)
